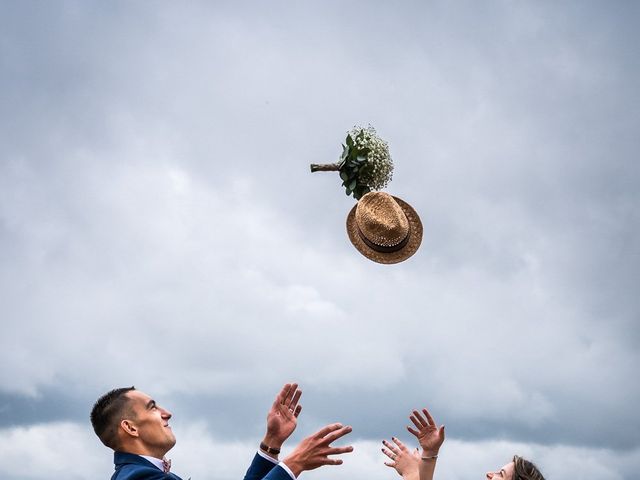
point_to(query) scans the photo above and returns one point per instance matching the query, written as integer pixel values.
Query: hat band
(382, 248)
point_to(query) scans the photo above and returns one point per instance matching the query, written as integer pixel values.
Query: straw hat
(384, 228)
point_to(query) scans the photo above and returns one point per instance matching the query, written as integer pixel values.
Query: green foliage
(353, 161)
(365, 163)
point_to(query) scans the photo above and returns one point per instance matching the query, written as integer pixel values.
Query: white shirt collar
(155, 461)
(158, 463)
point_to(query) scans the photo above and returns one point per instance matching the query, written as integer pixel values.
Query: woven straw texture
(412, 245)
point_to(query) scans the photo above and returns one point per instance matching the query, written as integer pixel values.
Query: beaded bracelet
(429, 458)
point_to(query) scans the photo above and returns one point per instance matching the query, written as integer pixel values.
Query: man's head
(108, 412)
(128, 420)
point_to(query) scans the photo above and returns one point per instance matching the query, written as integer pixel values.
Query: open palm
(429, 435)
(403, 460)
(282, 418)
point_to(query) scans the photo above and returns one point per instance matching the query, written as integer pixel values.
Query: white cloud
(43, 450)
(52, 450)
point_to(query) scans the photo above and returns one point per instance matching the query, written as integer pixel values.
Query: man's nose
(166, 414)
(489, 475)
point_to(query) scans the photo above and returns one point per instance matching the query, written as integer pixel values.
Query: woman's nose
(489, 475)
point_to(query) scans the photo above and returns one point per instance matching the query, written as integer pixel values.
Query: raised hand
(406, 462)
(314, 451)
(428, 433)
(282, 418)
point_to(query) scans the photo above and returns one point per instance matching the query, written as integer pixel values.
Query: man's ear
(129, 428)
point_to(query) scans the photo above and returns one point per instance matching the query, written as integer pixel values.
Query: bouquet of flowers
(365, 163)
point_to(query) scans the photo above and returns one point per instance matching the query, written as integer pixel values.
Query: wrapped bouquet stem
(325, 167)
(365, 164)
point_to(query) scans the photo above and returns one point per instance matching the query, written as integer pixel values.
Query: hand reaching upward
(428, 433)
(282, 418)
(314, 451)
(403, 460)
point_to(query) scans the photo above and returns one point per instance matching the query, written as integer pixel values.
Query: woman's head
(517, 469)
(525, 470)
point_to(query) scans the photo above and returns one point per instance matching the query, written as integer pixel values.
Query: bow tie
(166, 465)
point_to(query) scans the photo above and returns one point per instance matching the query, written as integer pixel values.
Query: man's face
(152, 424)
(505, 473)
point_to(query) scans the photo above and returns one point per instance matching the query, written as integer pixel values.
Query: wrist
(429, 454)
(269, 447)
(294, 465)
(411, 475)
(272, 441)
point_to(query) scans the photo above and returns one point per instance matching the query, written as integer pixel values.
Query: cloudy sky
(159, 227)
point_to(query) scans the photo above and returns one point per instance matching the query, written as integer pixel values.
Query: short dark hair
(107, 413)
(525, 470)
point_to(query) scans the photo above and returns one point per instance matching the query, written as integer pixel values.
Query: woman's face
(505, 473)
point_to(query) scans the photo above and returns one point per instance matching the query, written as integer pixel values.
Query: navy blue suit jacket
(133, 467)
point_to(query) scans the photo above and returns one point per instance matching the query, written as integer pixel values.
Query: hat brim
(415, 237)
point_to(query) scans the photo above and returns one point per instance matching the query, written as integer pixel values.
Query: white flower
(379, 170)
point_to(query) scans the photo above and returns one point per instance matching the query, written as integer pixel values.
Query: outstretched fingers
(316, 450)
(329, 434)
(295, 398)
(339, 450)
(417, 420)
(419, 423)
(389, 454)
(336, 434)
(281, 397)
(288, 393)
(401, 446)
(289, 397)
(391, 451)
(324, 431)
(326, 460)
(430, 419)
(293, 392)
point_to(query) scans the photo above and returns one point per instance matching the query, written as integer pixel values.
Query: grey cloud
(154, 186)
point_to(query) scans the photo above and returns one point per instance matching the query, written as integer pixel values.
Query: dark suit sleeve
(278, 473)
(259, 468)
